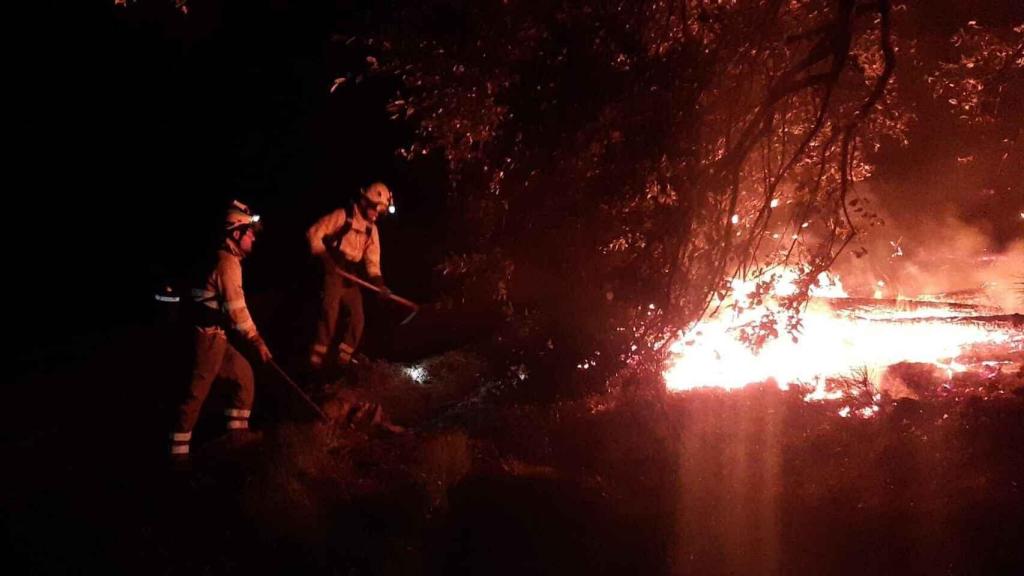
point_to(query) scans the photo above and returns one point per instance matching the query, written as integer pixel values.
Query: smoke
(1005, 278)
(935, 257)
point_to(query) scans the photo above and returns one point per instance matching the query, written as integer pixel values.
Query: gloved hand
(264, 352)
(384, 292)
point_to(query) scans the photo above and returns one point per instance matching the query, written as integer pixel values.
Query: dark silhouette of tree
(633, 157)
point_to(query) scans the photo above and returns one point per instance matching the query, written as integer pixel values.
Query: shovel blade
(410, 316)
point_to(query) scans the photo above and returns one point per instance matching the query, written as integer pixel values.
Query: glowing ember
(832, 343)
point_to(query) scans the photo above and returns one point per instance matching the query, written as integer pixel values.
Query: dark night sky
(133, 129)
(140, 126)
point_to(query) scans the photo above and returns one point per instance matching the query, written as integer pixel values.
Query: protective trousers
(341, 301)
(215, 357)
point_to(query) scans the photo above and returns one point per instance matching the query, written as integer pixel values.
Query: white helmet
(377, 193)
(239, 216)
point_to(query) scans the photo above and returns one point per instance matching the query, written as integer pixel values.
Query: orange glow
(832, 343)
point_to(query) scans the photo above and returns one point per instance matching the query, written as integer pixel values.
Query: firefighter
(218, 307)
(344, 240)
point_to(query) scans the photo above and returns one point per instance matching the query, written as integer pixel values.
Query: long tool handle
(295, 387)
(365, 284)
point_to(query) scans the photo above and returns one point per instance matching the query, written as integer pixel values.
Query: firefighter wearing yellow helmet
(219, 308)
(346, 240)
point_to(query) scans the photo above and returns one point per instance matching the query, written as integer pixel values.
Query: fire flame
(833, 342)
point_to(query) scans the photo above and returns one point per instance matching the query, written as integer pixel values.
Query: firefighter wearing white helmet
(346, 240)
(219, 309)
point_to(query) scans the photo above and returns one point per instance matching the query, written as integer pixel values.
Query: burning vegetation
(848, 349)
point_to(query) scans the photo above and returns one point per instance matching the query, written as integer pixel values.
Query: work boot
(233, 442)
(179, 464)
(240, 438)
(312, 367)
